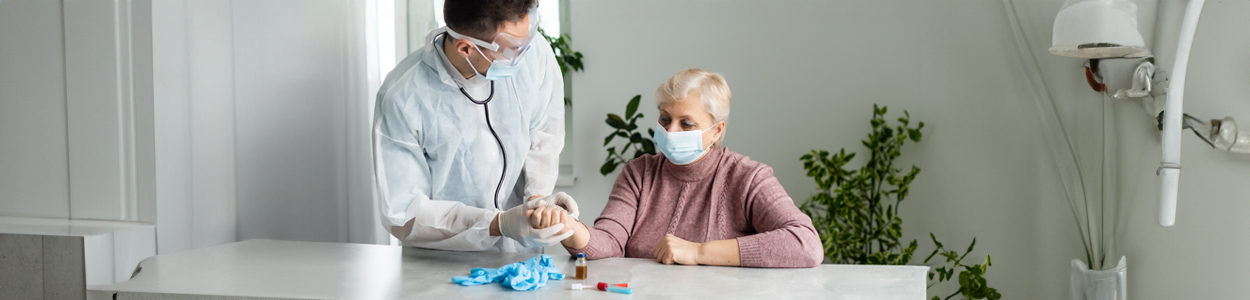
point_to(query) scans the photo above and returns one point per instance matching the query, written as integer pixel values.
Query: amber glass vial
(581, 267)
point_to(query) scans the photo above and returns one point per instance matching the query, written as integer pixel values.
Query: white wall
(34, 172)
(1198, 257)
(100, 101)
(69, 140)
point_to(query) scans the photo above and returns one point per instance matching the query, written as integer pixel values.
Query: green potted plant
(565, 56)
(855, 210)
(626, 128)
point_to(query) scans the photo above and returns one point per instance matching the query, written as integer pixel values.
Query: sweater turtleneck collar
(698, 170)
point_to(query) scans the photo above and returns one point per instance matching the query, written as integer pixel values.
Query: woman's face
(687, 114)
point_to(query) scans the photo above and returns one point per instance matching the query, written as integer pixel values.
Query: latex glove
(562, 200)
(672, 249)
(522, 276)
(514, 224)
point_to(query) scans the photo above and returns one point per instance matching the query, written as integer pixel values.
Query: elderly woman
(698, 203)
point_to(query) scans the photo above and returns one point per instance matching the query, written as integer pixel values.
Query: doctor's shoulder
(540, 61)
(413, 98)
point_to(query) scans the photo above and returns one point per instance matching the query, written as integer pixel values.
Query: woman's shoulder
(742, 166)
(749, 180)
(643, 164)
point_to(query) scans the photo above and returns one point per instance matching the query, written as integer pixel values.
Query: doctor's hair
(483, 18)
(713, 93)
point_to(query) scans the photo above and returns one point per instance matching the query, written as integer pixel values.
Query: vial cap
(581, 255)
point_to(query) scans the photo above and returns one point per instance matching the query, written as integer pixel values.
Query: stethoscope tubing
(503, 153)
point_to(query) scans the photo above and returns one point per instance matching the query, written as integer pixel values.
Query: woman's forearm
(581, 235)
(719, 253)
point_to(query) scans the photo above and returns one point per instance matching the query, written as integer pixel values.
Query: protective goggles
(506, 48)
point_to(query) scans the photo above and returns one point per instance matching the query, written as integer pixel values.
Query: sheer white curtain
(384, 28)
(423, 16)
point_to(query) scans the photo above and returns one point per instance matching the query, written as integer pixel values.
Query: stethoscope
(503, 153)
(485, 108)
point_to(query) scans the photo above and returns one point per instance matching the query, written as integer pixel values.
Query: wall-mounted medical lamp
(1098, 29)
(1101, 29)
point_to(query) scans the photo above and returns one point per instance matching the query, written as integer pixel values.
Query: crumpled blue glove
(522, 276)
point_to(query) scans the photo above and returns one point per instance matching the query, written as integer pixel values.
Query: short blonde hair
(713, 90)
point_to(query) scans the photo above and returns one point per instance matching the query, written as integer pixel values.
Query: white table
(267, 269)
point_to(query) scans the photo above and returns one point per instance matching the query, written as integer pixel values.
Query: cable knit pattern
(724, 195)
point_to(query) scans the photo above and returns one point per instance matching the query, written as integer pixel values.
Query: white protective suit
(436, 161)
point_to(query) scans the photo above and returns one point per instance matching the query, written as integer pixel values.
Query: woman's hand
(546, 216)
(672, 249)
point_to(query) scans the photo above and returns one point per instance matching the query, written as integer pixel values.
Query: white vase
(1099, 285)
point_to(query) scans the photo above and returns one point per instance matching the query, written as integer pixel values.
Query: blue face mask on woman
(681, 148)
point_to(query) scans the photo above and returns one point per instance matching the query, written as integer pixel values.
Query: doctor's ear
(463, 47)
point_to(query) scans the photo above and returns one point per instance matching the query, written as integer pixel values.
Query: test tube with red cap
(622, 288)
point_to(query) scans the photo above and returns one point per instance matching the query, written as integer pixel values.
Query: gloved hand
(514, 224)
(562, 200)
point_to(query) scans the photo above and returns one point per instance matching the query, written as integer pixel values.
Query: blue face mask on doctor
(683, 147)
(499, 68)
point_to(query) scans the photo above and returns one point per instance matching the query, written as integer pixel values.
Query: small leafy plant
(972, 283)
(565, 56)
(626, 128)
(855, 211)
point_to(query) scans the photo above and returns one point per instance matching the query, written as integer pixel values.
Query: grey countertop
(267, 269)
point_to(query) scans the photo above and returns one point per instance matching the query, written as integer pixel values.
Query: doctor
(467, 133)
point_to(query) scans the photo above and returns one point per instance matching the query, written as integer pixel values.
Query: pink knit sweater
(724, 195)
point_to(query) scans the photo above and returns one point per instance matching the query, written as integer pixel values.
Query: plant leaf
(615, 121)
(632, 107)
(607, 167)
